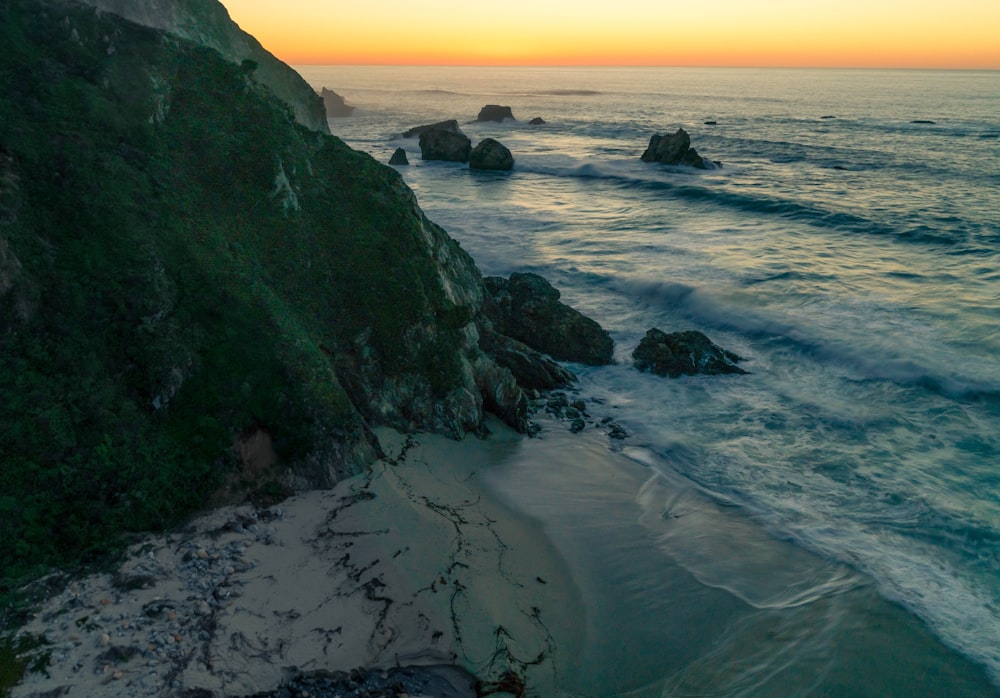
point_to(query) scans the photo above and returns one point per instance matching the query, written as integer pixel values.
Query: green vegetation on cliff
(182, 264)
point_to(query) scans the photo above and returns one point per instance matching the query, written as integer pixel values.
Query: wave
(698, 186)
(863, 360)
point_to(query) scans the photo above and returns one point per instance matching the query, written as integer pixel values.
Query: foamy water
(854, 261)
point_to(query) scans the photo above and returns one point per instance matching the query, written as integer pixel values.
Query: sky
(792, 33)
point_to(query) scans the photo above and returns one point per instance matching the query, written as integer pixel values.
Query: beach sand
(414, 563)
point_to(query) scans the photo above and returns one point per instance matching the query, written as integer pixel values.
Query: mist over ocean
(849, 249)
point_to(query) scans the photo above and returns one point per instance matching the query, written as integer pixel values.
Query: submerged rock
(527, 308)
(537, 121)
(683, 353)
(335, 104)
(675, 149)
(491, 155)
(494, 112)
(399, 158)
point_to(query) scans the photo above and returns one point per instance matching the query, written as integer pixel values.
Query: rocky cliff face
(207, 23)
(184, 268)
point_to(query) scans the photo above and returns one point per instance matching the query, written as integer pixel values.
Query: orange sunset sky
(808, 33)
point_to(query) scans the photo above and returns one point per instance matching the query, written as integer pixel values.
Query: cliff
(207, 23)
(201, 297)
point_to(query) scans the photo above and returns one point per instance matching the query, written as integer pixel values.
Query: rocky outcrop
(490, 154)
(335, 104)
(531, 369)
(527, 308)
(399, 157)
(451, 126)
(441, 144)
(494, 112)
(683, 353)
(207, 23)
(199, 267)
(537, 121)
(675, 149)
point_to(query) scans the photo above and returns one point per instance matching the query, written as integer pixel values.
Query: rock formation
(335, 104)
(683, 353)
(491, 155)
(186, 271)
(494, 112)
(399, 157)
(537, 121)
(207, 23)
(675, 149)
(442, 144)
(451, 125)
(527, 308)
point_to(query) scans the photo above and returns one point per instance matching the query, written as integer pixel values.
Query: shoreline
(412, 564)
(560, 560)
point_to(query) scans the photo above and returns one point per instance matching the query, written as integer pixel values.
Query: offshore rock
(335, 104)
(440, 144)
(675, 149)
(451, 125)
(537, 121)
(491, 155)
(527, 308)
(683, 353)
(494, 112)
(399, 158)
(207, 23)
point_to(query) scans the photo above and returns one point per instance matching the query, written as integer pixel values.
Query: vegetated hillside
(183, 266)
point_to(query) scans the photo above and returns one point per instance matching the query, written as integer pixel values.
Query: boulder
(494, 112)
(440, 144)
(491, 155)
(675, 149)
(683, 353)
(537, 121)
(399, 158)
(527, 308)
(451, 125)
(335, 104)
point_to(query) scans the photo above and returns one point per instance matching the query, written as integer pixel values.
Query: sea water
(848, 248)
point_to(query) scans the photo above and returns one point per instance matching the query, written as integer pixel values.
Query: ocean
(849, 249)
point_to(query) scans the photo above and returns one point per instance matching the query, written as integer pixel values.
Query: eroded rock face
(335, 104)
(683, 353)
(675, 149)
(207, 22)
(527, 308)
(495, 112)
(439, 144)
(491, 154)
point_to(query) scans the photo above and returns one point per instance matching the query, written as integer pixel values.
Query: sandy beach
(411, 564)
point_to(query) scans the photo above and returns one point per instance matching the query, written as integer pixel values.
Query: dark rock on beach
(441, 144)
(527, 308)
(675, 149)
(335, 104)
(399, 158)
(683, 353)
(494, 112)
(491, 155)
